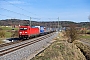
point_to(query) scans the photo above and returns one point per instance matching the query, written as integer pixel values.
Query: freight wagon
(41, 29)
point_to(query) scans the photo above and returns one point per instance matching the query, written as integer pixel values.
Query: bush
(2, 33)
(1, 29)
(14, 33)
(71, 33)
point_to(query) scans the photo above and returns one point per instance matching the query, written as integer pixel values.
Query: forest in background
(52, 24)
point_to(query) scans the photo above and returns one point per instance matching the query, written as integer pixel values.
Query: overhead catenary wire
(19, 13)
(11, 17)
(5, 15)
(14, 12)
(20, 8)
(25, 11)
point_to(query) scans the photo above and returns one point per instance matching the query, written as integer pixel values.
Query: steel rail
(6, 51)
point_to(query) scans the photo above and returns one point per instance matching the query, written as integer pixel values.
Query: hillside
(10, 22)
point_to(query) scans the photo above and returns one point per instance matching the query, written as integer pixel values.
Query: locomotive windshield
(23, 28)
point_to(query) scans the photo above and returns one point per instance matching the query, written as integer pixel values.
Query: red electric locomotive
(27, 32)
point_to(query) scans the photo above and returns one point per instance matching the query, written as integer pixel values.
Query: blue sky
(46, 10)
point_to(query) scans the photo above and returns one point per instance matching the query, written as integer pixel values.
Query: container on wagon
(41, 29)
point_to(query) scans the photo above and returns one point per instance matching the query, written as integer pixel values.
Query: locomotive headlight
(25, 32)
(25, 28)
(20, 32)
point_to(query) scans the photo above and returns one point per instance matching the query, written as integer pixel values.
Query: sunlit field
(6, 32)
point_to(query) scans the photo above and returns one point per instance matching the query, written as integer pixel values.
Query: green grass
(8, 28)
(85, 36)
(7, 31)
(8, 34)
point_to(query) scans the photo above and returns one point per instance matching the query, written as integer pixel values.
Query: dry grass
(61, 36)
(1, 40)
(84, 44)
(84, 48)
(60, 50)
(15, 33)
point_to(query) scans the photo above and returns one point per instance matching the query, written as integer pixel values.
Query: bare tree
(71, 33)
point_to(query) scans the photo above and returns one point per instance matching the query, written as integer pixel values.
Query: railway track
(6, 44)
(11, 43)
(23, 44)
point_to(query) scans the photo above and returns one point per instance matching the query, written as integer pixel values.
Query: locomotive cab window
(23, 28)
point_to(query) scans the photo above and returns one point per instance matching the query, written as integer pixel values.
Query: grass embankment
(82, 44)
(60, 50)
